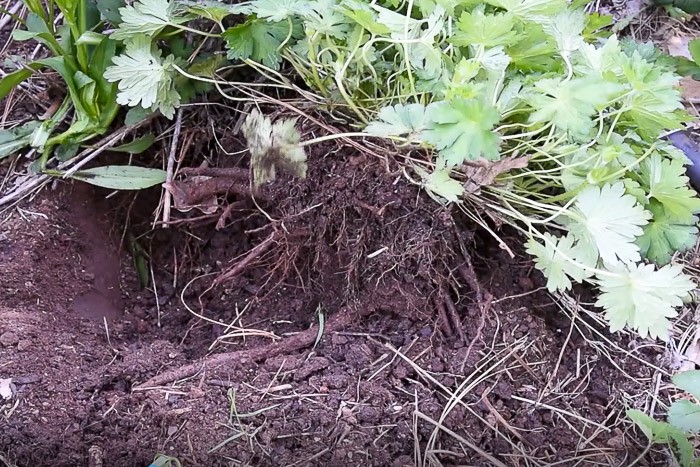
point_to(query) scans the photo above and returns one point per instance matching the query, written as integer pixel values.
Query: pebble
(9, 339)
(24, 345)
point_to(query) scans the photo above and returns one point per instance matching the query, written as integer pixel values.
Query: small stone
(24, 345)
(9, 339)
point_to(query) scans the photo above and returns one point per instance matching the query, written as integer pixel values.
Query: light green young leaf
(121, 177)
(684, 415)
(569, 105)
(642, 298)
(487, 30)
(275, 11)
(147, 17)
(462, 129)
(408, 120)
(667, 183)
(688, 381)
(211, 9)
(600, 60)
(666, 234)
(566, 27)
(654, 430)
(608, 220)
(256, 40)
(273, 146)
(324, 17)
(530, 10)
(654, 103)
(440, 184)
(551, 258)
(144, 77)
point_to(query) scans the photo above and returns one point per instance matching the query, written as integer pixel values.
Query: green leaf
(684, 415)
(273, 146)
(682, 448)
(256, 40)
(121, 177)
(694, 49)
(569, 105)
(462, 129)
(14, 139)
(90, 38)
(144, 77)
(207, 67)
(110, 10)
(66, 151)
(488, 30)
(689, 6)
(666, 234)
(555, 258)
(688, 381)
(654, 430)
(642, 298)
(136, 115)
(136, 146)
(148, 17)
(666, 182)
(400, 120)
(12, 80)
(608, 221)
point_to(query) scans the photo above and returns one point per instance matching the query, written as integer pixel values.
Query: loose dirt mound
(426, 355)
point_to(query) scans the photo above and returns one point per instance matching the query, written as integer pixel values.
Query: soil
(426, 356)
(344, 319)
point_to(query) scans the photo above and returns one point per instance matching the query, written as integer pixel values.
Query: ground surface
(437, 347)
(370, 393)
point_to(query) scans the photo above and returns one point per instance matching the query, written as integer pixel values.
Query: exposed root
(219, 172)
(254, 253)
(442, 315)
(454, 315)
(286, 346)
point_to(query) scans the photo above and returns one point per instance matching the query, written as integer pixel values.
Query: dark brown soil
(414, 339)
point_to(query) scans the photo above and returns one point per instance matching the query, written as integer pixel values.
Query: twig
(291, 344)
(170, 169)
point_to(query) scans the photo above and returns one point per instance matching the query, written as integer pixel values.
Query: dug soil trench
(364, 327)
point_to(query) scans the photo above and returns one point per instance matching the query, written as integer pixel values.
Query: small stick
(170, 170)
